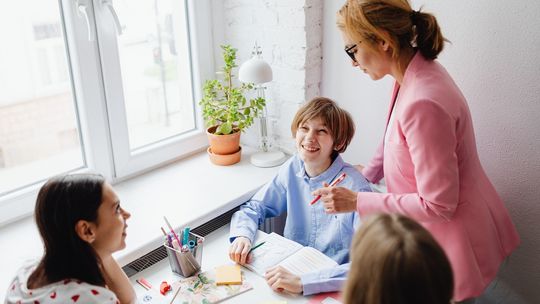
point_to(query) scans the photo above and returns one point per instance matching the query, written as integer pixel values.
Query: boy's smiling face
(314, 144)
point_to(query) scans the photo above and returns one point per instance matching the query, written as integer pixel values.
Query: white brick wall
(290, 34)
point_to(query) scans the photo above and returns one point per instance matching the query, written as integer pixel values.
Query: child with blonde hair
(395, 260)
(322, 131)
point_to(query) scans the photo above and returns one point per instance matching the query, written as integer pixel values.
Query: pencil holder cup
(186, 262)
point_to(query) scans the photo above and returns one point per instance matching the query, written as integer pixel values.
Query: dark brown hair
(61, 203)
(394, 260)
(393, 21)
(338, 121)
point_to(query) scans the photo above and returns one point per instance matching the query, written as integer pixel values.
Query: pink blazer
(433, 175)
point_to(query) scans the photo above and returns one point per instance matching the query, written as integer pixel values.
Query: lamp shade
(255, 70)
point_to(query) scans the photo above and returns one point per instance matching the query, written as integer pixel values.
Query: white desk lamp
(258, 71)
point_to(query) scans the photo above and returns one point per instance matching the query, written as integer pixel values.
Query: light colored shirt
(290, 191)
(65, 291)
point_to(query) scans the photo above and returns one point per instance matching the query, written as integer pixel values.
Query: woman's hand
(359, 168)
(280, 279)
(239, 250)
(337, 199)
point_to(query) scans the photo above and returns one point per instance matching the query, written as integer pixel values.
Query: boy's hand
(359, 168)
(280, 279)
(239, 250)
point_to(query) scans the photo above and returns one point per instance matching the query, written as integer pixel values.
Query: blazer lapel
(392, 103)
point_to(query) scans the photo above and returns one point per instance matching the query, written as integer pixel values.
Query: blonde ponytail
(429, 39)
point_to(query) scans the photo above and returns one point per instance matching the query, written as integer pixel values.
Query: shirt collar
(326, 176)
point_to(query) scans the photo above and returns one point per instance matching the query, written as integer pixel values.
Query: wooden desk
(215, 254)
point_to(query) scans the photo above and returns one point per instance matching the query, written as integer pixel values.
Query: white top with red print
(66, 291)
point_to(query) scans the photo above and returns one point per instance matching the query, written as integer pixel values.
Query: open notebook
(294, 257)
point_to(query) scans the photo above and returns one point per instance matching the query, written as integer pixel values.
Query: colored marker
(332, 184)
(256, 246)
(185, 241)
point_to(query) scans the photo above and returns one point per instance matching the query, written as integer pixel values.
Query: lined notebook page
(307, 260)
(275, 249)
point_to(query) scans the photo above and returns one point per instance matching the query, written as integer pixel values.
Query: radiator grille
(145, 261)
(213, 225)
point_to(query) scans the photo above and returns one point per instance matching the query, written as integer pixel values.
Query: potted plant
(227, 111)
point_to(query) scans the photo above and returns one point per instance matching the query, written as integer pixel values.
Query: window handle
(109, 5)
(83, 7)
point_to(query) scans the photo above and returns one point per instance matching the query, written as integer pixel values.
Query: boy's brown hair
(395, 260)
(338, 121)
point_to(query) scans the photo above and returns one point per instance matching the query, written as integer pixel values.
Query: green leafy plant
(224, 104)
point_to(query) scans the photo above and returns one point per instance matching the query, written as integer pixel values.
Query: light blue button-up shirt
(290, 191)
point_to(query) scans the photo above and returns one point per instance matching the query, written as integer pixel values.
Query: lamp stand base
(268, 159)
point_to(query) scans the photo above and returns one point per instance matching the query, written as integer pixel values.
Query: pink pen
(172, 230)
(332, 184)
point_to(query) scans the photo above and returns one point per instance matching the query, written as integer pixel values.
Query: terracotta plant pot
(223, 144)
(224, 159)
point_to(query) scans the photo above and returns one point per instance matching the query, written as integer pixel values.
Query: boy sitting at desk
(322, 130)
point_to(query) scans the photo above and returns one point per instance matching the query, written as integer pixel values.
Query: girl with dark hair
(395, 260)
(428, 154)
(81, 224)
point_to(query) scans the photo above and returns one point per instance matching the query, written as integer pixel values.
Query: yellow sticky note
(228, 275)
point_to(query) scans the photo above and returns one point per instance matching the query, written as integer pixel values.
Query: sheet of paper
(202, 288)
(330, 301)
(326, 298)
(307, 260)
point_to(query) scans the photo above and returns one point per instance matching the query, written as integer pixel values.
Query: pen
(177, 292)
(332, 184)
(256, 246)
(172, 230)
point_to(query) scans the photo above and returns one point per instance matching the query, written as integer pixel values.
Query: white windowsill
(189, 192)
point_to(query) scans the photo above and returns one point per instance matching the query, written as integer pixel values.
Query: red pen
(332, 184)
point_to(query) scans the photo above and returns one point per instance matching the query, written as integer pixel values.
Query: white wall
(290, 34)
(495, 59)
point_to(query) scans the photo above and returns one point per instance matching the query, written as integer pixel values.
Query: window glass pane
(155, 70)
(39, 133)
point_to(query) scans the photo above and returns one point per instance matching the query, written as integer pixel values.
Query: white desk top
(216, 246)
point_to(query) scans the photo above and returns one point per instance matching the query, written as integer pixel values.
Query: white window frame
(102, 122)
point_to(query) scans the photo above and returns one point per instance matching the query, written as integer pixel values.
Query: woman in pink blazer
(428, 155)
